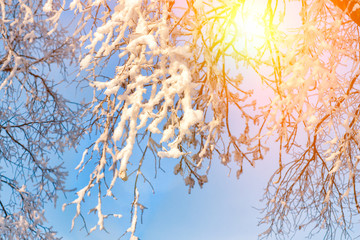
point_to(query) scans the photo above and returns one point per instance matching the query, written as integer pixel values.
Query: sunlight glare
(251, 29)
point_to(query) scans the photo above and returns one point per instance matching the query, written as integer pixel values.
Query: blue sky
(223, 209)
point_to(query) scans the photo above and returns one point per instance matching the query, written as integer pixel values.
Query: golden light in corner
(250, 26)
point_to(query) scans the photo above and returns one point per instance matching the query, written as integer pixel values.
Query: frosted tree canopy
(166, 85)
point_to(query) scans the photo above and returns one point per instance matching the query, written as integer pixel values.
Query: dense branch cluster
(35, 121)
(315, 116)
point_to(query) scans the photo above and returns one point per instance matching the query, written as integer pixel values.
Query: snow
(172, 153)
(356, 7)
(332, 156)
(85, 62)
(148, 40)
(336, 166)
(48, 6)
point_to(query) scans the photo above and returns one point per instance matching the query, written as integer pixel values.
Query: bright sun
(251, 29)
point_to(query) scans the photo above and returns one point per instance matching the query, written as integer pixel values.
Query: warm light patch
(250, 28)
